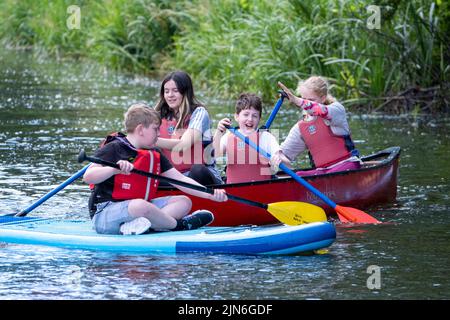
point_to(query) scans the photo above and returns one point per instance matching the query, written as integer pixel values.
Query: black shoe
(197, 219)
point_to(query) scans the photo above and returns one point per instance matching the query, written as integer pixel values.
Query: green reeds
(241, 48)
(232, 46)
(131, 35)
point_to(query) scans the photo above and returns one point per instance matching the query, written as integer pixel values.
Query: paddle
(288, 212)
(345, 214)
(80, 173)
(50, 194)
(274, 112)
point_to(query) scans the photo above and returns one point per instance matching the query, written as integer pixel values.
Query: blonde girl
(323, 130)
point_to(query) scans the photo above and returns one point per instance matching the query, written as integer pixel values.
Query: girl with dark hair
(185, 136)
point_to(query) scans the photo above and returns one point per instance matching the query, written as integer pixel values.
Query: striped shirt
(200, 121)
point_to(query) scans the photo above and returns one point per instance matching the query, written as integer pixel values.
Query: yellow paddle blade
(294, 213)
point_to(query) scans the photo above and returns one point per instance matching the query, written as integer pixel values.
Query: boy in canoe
(244, 164)
(323, 130)
(123, 202)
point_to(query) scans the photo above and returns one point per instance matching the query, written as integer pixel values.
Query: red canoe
(374, 183)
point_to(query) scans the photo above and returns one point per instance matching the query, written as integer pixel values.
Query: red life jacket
(135, 186)
(183, 160)
(325, 147)
(245, 164)
(110, 137)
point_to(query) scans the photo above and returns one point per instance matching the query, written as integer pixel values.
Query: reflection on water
(54, 273)
(49, 111)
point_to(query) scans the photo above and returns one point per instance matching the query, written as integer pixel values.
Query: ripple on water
(50, 111)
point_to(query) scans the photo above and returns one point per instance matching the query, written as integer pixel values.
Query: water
(49, 110)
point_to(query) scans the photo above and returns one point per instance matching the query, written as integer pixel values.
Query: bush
(248, 45)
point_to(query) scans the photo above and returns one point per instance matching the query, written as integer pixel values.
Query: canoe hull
(375, 184)
(266, 240)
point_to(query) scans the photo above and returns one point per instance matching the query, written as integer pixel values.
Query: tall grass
(232, 46)
(41, 24)
(122, 34)
(133, 34)
(240, 48)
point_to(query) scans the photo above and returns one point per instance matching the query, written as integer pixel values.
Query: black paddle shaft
(83, 157)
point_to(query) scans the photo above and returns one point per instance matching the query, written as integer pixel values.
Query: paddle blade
(12, 219)
(294, 213)
(347, 214)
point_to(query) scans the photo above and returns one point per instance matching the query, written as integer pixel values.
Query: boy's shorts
(110, 215)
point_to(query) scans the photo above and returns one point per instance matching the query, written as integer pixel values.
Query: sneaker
(197, 219)
(137, 226)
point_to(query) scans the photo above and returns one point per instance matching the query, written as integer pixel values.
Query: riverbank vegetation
(379, 55)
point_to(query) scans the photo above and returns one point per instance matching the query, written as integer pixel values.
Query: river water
(49, 110)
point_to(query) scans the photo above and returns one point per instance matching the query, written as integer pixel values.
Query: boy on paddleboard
(123, 202)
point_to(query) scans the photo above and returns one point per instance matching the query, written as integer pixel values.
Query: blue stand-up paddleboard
(77, 234)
